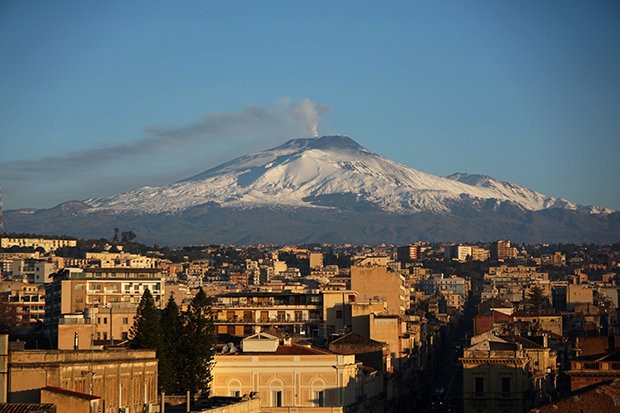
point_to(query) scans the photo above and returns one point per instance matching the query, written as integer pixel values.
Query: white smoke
(308, 114)
(208, 139)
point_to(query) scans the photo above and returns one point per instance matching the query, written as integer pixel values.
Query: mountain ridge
(327, 189)
(305, 171)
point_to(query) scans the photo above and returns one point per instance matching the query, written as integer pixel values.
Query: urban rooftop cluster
(113, 325)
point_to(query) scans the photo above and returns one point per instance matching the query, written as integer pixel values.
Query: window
(505, 384)
(235, 393)
(319, 398)
(479, 385)
(276, 398)
(125, 320)
(124, 335)
(339, 314)
(105, 320)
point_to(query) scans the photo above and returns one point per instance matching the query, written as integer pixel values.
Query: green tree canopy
(537, 302)
(171, 352)
(145, 333)
(197, 342)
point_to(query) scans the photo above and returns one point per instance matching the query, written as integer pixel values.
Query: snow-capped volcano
(328, 172)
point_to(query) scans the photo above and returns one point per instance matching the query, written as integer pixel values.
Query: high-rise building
(109, 296)
(407, 253)
(380, 281)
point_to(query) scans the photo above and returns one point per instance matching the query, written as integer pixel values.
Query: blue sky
(98, 98)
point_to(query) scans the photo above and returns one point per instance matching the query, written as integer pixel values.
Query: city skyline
(104, 98)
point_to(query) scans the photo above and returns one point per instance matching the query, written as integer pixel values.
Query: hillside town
(428, 327)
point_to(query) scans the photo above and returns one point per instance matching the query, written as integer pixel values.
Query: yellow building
(124, 380)
(245, 313)
(379, 281)
(48, 244)
(507, 374)
(294, 377)
(108, 296)
(25, 301)
(337, 310)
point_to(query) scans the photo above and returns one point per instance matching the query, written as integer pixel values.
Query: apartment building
(48, 244)
(244, 313)
(25, 301)
(371, 279)
(111, 293)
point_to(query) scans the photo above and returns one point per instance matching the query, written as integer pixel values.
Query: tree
(128, 236)
(145, 333)
(197, 342)
(8, 317)
(537, 301)
(170, 356)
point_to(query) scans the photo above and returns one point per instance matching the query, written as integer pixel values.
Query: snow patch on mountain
(320, 173)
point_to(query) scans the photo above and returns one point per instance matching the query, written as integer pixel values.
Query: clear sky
(102, 97)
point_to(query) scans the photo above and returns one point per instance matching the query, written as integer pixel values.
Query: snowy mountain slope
(326, 172)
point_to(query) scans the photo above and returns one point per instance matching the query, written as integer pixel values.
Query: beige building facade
(379, 281)
(124, 380)
(289, 376)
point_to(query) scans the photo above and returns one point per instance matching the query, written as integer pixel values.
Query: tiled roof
(27, 408)
(601, 398)
(354, 338)
(296, 350)
(292, 350)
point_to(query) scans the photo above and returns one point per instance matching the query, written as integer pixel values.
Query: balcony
(602, 366)
(279, 306)
(272, 320)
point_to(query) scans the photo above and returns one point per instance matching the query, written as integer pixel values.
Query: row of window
(276, 397)
(479, 385)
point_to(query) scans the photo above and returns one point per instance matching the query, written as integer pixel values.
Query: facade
(51, 244)
(510, 373)
(584, 373)
(245, 313)
(503, 250)
(371, 280)
(437, 282)
(407, 253)
(462, 253)
(106, 295)
(315, 260)
(124, 380)
(337, 311)
(26, 301)
(495, 377)
(35, 270)
(289, 377)
(120, 259)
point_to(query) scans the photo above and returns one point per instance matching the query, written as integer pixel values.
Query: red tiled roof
(296, 350)
(600, 398)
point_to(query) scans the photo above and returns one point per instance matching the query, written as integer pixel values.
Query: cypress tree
(197, 342)
(145, 333)
(170, 356)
